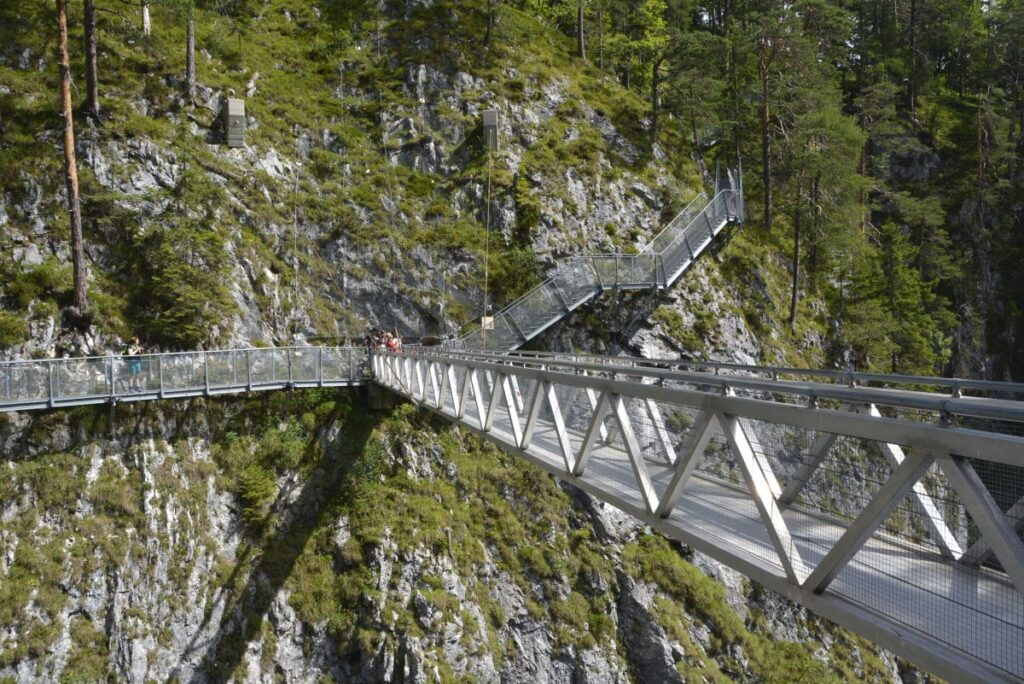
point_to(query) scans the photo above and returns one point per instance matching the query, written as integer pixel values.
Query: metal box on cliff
(234, 122)
(491, 130)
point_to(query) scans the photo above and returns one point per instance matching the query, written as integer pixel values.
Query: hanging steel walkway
(895, 511)
(891, 505)
(54, 383)
(578, 279)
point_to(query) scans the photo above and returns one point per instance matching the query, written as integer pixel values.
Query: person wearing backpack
(133, 350)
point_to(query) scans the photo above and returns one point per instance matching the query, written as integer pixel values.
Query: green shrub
(13, 329)
(257, 489)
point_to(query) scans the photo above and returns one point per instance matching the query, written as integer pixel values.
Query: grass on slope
(330, 77)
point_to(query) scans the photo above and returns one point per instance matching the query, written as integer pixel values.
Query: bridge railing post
(288, 352)
(206, 371)
(320, 365)
(49, 382)
(110, 378)
(248, 369)
(159, 374)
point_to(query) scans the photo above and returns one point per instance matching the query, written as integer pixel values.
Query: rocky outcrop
(168, 583)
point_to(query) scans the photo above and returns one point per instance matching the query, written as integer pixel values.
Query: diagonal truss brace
(659, 428)
(435, 387)
(761, 457)
(620, 408)
(980, 551)
(687, 463)
(593, 399)
(767, 503)
(544, 391)
(594, 429)
(987, 516)
(447, 385)
(934, 521)
(874, 514)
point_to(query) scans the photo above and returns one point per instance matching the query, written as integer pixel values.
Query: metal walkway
(894, 510)
(578, 279)
(892, 505)
(52, 383)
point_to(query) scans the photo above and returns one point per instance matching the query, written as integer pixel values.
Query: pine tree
(77, 313)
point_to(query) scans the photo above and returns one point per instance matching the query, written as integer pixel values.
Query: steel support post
(110, 378)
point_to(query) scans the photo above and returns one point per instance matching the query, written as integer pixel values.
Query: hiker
(133, 350)
(368, 342)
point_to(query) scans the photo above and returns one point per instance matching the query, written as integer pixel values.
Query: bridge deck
(942, 600)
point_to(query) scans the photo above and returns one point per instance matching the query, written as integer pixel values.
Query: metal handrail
(975, 407)
(75, 381)
(852, 377)
(681, 214)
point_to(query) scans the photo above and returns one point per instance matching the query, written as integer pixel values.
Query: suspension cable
(487, 235)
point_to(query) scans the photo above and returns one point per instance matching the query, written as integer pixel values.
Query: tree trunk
(190, 57)
(912, 81)
(890, 290)
(491, 9)
(581, 38)
(92, 86)
(1016, 135)
(147, 26)
(863, 191)
(655, 92)
(813, 256)
(766, 149)
(797, 215)
(77, 312)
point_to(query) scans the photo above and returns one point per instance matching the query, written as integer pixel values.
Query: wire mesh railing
(76, 381)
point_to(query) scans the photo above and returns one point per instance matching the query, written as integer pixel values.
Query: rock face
(344, 279)
(151, 543)
(150, 570)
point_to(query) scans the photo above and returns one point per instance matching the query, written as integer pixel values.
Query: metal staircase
(578, 279)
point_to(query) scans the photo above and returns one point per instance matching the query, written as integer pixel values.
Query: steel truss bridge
(879, 502)
(892, 505)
